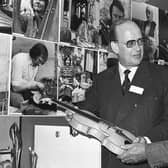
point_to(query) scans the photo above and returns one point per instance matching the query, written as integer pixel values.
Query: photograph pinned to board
(33, 75)
(5, 54)
(147, 18)
(88, 23)
(37, 19)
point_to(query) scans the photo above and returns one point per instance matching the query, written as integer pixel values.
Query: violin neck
(65, 107)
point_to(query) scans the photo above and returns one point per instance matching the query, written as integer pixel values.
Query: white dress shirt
(130, 75)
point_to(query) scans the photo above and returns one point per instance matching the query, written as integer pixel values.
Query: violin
(84, 122)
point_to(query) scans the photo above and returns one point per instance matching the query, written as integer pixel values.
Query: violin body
(110, 137)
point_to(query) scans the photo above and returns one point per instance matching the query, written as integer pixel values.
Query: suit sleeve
(160, 131)
(91, 99)
(157, 154)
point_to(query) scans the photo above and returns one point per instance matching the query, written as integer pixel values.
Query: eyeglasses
(132, 43)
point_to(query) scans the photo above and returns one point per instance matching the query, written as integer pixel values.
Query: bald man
(132, 94)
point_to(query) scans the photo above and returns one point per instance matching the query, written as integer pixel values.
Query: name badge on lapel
(136, 89)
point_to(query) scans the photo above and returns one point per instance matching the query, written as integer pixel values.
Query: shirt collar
(123, 68)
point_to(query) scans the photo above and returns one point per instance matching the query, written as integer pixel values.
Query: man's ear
(114, 47)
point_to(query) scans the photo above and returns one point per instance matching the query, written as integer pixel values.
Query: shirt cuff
(148, 141)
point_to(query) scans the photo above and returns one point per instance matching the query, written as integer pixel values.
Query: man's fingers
(123, 155)
(126, 147)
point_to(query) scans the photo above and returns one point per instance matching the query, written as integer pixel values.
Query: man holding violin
(132, 94)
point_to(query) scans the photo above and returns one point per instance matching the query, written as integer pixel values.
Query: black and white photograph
(33, 69)
(163, 37)
(37, 19)
(111, 12)
(10, 142)
(5, 54)
(83, 84)
(74, 73)
(147, 17)
(102, 60)
(88, 23)
(6, 19)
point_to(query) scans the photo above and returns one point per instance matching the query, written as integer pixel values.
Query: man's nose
(137, 46)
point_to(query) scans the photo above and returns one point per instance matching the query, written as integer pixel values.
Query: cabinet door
(57, 148)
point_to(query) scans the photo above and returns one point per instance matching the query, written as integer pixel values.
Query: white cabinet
(57, 148)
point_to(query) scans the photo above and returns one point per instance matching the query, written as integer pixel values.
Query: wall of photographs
(76, 35)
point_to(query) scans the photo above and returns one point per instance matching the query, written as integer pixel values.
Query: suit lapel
(114, 92)
(143, 80)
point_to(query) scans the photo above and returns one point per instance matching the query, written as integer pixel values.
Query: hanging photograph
(147, 18)
(5, 53)
(163, 37)
(102, 60)
(88, 23)
(37, 18)
(70, 69)
(11, 142)
(6, 10)
(32, 76)
(109, 13)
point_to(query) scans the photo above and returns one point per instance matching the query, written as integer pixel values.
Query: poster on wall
(6, 9)
(102, 60)
(109, 13)
(37, 19)
(32, 75)
(88, 23)
(147, 18)
(163, 37)
(76, 67)
(5, 53)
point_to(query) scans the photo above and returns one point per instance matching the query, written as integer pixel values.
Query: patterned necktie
(126, 83)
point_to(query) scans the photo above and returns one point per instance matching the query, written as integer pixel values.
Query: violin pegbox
(73, 132)
(46, 101)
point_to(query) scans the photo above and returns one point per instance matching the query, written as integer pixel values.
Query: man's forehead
(128, 29)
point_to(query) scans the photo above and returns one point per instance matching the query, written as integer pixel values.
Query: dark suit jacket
(143, 115)
(157, 154)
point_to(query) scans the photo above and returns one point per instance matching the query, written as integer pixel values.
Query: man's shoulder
(21, 57)
(108, 72)
(158, 71)
(158, 68)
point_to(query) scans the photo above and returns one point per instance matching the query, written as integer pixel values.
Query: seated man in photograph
(24, 70)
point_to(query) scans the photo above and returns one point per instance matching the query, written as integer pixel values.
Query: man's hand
(134, 153)
(40, 85)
